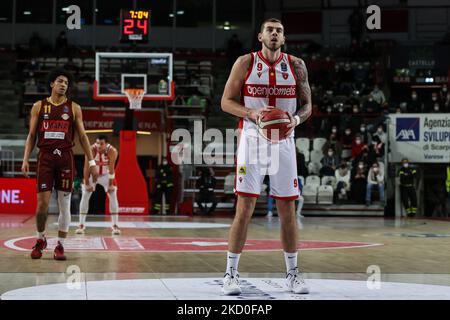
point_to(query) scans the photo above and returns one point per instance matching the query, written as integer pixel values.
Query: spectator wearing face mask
(434, 104)
(370, 105)
(381, 133)
(347, 141)
(359, 182)
(378, 147)
(407, 177)
(357, 147)
(342, 175)
(329, 163)
(365, 136)
(375, 178)
(378, 95)
(413, 104)
(333, 142)
(355, 119)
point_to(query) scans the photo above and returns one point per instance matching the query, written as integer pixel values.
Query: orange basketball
(272, 124)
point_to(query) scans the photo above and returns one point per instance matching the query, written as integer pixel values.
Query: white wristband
(92, 163)
(111, 176)
(297, 119)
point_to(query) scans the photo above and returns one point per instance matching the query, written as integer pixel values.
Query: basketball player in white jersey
(258, 82)
(105, 156)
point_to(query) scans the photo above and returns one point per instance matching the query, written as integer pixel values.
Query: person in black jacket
(408, 191)
(206, 184)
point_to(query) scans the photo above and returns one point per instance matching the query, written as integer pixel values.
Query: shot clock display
(134, 25)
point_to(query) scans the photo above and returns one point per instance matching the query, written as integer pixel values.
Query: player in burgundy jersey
(258, 82)
(53, 123)
(105, 156)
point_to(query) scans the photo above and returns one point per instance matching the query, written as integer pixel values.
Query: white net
(135, 97)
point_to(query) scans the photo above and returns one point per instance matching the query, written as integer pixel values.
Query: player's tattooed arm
(303, 89)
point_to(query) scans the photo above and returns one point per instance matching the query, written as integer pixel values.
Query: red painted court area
(144, 244)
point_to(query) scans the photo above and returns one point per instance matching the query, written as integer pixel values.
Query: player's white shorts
(102, 180)
(257, 157)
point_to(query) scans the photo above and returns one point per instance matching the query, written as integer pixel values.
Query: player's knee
(42, 207)
(64, 211)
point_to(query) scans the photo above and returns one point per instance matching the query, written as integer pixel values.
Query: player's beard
(271, 46)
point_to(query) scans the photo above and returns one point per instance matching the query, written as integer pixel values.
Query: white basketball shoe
(296, 283)
(231, 285)
(81, 229)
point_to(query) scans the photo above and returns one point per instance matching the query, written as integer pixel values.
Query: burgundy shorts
(55, 169)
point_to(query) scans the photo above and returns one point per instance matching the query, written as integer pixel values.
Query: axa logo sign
(407, 129)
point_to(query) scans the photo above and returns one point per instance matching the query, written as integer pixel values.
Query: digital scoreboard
(134, 25)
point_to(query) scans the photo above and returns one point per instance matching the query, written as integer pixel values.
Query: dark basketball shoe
(40, 245)
(59, 252)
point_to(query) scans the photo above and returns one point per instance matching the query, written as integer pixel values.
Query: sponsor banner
(147, 120)
(264, 91)
(420, 137)
(146, 244)
(18, 195)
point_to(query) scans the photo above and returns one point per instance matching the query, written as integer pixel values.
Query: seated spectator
(333, 143)
(413, 104)
(366, 138)
(359, 182)
(378, 146)
(433, 105)
(355, 119)
(378, 95)
(206, 184)
(342, 175)
(329, 163)
(347, 141)
(375, 178)
(357, 147)
(380, 133)
(370, 105)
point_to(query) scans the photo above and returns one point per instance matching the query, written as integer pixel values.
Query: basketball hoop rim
(95, 96)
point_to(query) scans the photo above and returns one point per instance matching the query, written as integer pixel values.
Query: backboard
(117, 71)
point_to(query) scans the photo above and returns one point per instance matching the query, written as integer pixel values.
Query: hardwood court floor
(414, 250)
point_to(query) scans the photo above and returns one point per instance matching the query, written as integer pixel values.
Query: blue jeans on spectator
(369, 191)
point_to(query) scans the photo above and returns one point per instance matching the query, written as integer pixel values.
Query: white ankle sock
(61, 240)
(232, 263)
(41, 235)
(291, 261)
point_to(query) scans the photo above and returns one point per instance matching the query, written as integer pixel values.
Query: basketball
(273, 124)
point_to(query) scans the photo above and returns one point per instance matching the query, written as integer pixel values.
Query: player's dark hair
(55, 73)
(269, 20)
(102, 137)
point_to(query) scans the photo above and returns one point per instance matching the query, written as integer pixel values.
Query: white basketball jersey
(101, 159)
(268, 84)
